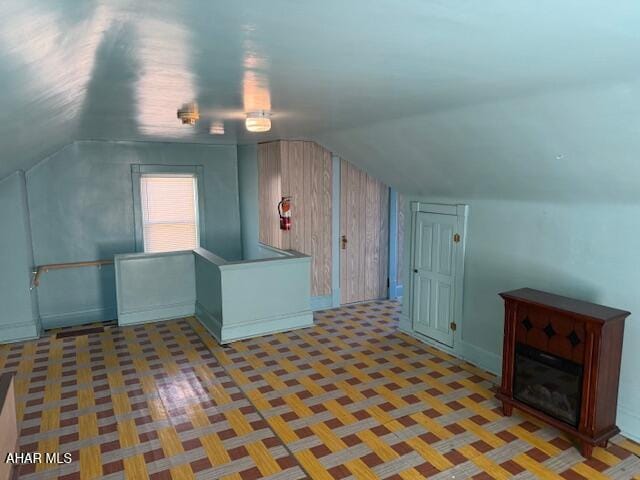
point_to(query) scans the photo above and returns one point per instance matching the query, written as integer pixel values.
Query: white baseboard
(212, 323)
(81, 317)
(405, 324)
(489, 361)
(265, 326)
(157, 313)
(19, 332)
(322, 302)
(629, 422)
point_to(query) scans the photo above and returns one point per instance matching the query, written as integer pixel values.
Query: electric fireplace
(547, 382)
(561, 363)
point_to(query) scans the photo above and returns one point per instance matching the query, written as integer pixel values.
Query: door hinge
(453, 326)
(456, 237)
(388, 283)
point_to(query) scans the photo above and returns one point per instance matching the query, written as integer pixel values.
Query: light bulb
(258, 121)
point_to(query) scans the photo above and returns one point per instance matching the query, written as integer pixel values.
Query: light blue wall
(18, 306)
(278, 287)
(209, 291)
(248, 193)
(81, 206)
(152, 287)
(586, 251)
(279, 291)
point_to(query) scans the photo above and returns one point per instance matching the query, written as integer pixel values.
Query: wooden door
(364, 236)
(434, 274)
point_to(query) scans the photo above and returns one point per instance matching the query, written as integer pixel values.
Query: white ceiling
(428, 95)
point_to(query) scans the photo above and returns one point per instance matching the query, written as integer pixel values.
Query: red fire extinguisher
(284, 210)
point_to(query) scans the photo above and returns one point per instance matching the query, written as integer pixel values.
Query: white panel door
(434, 276)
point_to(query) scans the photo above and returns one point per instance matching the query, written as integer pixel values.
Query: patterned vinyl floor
(350, 398)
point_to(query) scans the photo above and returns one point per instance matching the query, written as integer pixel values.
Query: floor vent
(79, 332)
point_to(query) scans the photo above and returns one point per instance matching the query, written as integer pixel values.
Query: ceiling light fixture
(189, 114)
(217, 128)
(258, 121)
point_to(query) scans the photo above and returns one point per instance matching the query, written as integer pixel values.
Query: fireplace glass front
(548, 383)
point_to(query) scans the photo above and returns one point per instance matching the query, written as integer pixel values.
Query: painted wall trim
(79, 317)
(209, 321)
(479, 357)
(405, 324)
(489, 361)
(19, 332)
(441, 208)
(322, 302)
(393, 244)
(263, 326)
(26, 219)
(157, 313)
(267, 326)
(629, 422)
(249, 264)
(335, 228)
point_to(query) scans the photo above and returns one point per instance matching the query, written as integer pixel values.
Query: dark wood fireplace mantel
(547, 331)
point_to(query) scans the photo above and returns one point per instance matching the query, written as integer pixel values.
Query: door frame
(395, 290)
(461, 212)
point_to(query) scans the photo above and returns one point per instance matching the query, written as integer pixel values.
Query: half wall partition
(232, 299)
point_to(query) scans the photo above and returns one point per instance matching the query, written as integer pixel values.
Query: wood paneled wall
(269, 193)
(364, 220)
(302, 170)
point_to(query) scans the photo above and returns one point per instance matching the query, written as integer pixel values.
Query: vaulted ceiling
(442, 98)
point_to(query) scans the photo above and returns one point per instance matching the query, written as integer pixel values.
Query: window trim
(137, 171)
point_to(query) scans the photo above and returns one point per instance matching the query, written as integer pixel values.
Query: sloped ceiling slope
(565, 146)
(47, 55)
(501, 98)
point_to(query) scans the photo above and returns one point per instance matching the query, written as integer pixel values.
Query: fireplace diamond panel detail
(573, 338)
(549, 330)
(527, 323)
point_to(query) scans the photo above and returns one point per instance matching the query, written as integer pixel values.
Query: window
(169, 208)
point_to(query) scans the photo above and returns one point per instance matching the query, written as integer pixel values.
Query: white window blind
(169, 212)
